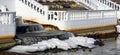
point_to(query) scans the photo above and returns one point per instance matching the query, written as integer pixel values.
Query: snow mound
(23, 49)
(72, 42)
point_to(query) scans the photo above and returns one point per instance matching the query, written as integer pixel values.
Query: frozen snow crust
(72, 42)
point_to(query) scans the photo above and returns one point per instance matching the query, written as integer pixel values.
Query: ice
(41, 47)
(23, 49)
(72, 42)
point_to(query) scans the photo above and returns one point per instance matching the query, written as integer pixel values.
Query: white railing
(110, 4)
(7, 24)
(36, 6)
(81, 15)
(57, 15)
(53, 0)
(88, 3)
(7, 17)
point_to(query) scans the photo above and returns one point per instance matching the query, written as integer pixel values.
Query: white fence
(110, 4)
(88, 3)
(57, 15)
(36, 6)
(7, 24)
(80, 15)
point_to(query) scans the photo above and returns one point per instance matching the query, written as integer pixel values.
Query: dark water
(110, 48)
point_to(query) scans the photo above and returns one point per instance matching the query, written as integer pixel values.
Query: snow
(118, 28)
(72, 42)
(23, 49)
(60, 44)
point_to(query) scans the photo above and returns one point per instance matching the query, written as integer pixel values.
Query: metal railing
(7, 17)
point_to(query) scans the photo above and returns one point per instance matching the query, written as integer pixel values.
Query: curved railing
(80, 15)
(110, 4)
(88, 3)
(35, 5)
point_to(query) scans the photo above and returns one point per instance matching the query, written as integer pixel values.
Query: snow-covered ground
(72, 42)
